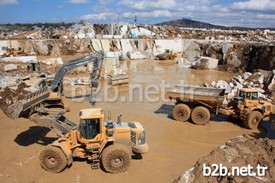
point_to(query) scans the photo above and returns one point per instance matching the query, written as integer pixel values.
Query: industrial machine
(56, 87)
(50, 96)
(107, 143)
(98, 141)
(198, 103)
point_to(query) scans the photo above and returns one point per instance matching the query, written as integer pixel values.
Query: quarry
(127, 70)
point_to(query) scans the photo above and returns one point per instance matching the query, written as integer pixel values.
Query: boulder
(55, 50)
(221, 84)
(234, 61)
(10, 67)
(53, 61)
(168, 55)
(136, 55)
(42, 47)
(205, 63)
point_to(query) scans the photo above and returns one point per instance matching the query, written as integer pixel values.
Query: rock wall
(246, 55)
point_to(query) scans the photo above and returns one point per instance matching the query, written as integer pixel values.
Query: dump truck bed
(210, 96)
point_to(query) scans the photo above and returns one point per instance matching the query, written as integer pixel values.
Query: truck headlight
(141, 139)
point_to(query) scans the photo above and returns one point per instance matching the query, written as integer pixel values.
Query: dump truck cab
(250, 99)
(249, 96)
(251, 108)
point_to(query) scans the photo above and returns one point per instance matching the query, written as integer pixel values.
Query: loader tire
(116, 158)
(253, 120)
(181, 112)
(53, 159)
(200, 115)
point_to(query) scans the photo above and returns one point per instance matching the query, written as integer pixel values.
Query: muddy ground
(174, 146)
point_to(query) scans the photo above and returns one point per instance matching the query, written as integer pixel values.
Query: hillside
(185, 22)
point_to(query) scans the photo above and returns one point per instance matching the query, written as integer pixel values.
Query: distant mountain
(185, 22)
(190, 23)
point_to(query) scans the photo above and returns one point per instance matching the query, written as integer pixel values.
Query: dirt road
(174, 146)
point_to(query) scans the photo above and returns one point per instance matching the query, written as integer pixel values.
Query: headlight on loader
(141, 139)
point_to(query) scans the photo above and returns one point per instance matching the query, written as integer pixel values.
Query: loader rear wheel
(253, 120)
(200, 115)
(116, 158)
(53, 159)
(181, 112)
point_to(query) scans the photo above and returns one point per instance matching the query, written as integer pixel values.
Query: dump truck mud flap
(66, 150)
(141, 149)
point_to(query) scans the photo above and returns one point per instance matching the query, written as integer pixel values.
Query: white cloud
(78, 1)
(99, 16)
(266, 16)
(145, 4)
(153, 14)
(261, 5)
(221, 8)
(209, 11)
(6, 2)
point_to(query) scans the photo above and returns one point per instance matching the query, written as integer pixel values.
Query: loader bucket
(18, 108)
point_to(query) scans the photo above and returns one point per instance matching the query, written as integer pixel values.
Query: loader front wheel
(253, 120)
(181, 112)
(53, 159)
(116, 158)
(200, 115)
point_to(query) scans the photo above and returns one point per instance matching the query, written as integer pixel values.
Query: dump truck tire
(200, 115)
(253, 120)
(181, 112)
(53, 159)
(116, 158)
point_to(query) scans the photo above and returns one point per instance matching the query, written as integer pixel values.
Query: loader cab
(89, 128)
(91, 125)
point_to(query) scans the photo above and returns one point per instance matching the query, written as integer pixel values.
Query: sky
(246, 13)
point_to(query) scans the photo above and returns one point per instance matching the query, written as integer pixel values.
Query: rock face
(240, 151)
(246, 56)
(259, 57)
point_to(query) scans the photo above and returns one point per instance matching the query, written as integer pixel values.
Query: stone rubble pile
(240, 151)
(124, 30)
(262, 80)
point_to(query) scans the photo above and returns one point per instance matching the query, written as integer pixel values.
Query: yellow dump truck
(198, 103)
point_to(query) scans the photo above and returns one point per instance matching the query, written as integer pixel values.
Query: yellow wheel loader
(110, 144)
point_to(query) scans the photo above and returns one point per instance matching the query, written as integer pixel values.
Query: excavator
(49, 95)
(56, 88)
(98, 141)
